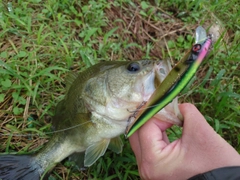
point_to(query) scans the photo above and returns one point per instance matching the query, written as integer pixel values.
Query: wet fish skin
(92, 115)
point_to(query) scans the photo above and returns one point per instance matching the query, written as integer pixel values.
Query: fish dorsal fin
(116, 145)
(70, 79)
(95, 151)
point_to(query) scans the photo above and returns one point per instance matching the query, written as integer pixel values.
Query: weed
(41, 42)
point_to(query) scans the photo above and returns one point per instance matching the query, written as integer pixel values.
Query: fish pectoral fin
(95, 151)
(78, 159)
(116, 145)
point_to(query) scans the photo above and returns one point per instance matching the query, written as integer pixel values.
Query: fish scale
(92, 115)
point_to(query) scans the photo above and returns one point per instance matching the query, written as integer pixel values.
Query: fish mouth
(153, 78)
(157, 81)
(170, 113)
(161, 70)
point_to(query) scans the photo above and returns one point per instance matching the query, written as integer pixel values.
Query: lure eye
(196, 48)
(133, 67)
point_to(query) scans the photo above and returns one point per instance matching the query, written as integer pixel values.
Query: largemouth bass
(176, 80)
(97, 108)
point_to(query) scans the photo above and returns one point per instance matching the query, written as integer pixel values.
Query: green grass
(41, 41)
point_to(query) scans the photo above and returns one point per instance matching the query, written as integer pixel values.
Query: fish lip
(161, 69)
(147, 85)
(154, 78)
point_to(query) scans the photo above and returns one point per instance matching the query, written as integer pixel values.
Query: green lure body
(173, 84)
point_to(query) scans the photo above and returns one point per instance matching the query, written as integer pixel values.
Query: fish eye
(133, 67)
(196, 48)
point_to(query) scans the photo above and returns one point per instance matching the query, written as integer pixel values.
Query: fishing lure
(175, 81)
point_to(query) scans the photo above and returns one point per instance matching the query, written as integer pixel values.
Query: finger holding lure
(175, 81)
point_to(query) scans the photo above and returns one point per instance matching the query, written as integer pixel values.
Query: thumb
(200, 138)
(195, 127)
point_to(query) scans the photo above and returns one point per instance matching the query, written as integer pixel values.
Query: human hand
(200, 148)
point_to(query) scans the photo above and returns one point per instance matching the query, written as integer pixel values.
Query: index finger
(150, 138)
